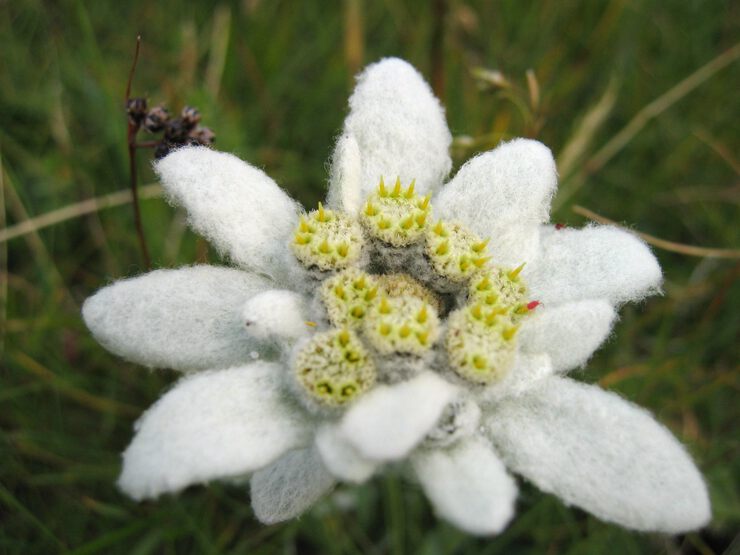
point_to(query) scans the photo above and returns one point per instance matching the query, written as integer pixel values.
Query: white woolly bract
(275, 314)
(468, 486)
(289, 486)
(503, 194)
(568, 333)
(596, 262)
(599, 452)
(341, 457)
(212, 425)
(235, 206)
(528, 370)
(400, 131)
(390, 420)
(186, 319)
(345, 179)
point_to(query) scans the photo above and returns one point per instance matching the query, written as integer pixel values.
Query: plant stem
(132, 130)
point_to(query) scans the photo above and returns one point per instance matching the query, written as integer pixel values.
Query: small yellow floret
(327, 240)
(334, 368)
(397, 217)
(455, 252)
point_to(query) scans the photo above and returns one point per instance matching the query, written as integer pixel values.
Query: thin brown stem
(133, 129)
(689, 250)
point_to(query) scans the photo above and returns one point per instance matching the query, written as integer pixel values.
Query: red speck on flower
(559, 226)
(533, 305)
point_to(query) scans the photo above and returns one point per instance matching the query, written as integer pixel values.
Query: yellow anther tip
(509, 333)
(480, 262)
(422, 316)
(396, 188)
(443, 248)
(410, 190)
(513, 274)
(381, 188)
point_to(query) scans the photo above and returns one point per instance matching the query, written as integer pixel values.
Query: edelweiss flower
(407, 321)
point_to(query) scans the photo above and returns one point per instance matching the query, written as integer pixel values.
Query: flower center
(376, 320)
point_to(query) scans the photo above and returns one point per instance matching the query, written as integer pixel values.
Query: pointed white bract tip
(399, 127)
(598, 261)
(237, 207)
(503, 194)
(594, 450)
(186, 319)
(468, 486)
(275, 314)
(212, 425)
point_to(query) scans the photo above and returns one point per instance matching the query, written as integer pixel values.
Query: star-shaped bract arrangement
(405, 321)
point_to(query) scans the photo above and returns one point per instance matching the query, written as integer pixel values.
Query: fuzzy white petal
(235, 206)
(400, 131)
(275, 314)
(341, 457)
(288, 487)
(527, 371)
(187, 319)
(345, 179)
(391, 420)
(568, 333)
(468, 486)
(597, 451)
(594, 262)
(503, 194)
(212, 425)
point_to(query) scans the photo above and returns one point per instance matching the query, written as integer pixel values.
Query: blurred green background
(638, 100)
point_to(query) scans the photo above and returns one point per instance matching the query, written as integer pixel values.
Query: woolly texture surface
(389, 421)
(468, 486)
(400, 130)
(345, 179)
(596, 262)
(528, 370)
(237, 207)
(568, 333)
(288, 487)
(426, 348)
(503, 194)
(211, 425)
(275, 314)
(597, 451)
(186, 319)
(341, 457)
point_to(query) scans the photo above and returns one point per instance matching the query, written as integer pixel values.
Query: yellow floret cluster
(458, 308)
